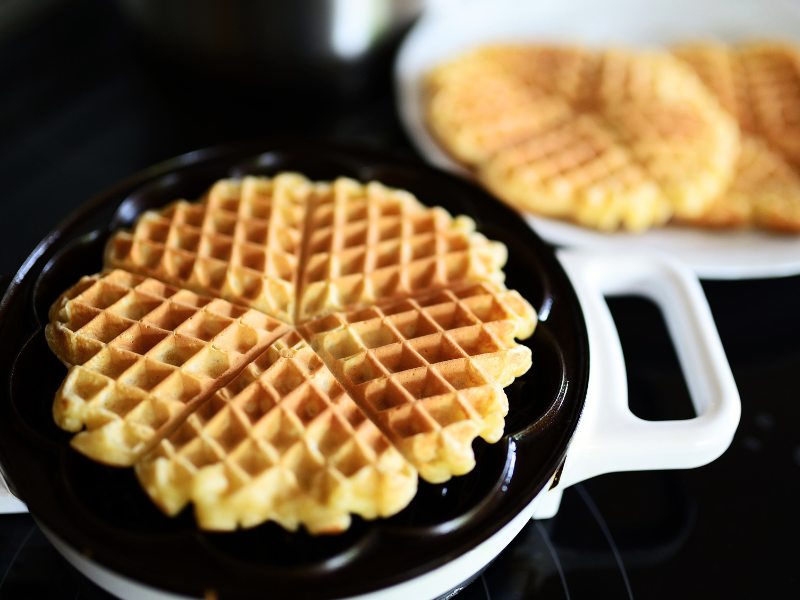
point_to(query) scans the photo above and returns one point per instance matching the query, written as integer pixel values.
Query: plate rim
(714, 264)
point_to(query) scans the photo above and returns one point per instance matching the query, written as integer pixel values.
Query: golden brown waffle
(241, 243)
(477, 110)
(764, 193)
(576, 171)
(142, 355)
(609, 140)
(430, 371)
(282, 442)
(252, 418)
(759, 83)
(368, 243)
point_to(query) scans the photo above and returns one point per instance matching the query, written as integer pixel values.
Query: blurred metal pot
(339, 46)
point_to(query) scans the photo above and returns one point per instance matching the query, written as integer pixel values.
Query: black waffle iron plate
(102, 514)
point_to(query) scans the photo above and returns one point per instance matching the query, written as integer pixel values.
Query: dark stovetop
(81, 107)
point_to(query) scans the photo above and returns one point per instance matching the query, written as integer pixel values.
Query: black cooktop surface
(81, 107)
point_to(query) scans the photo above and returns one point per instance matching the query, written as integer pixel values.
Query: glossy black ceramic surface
(102, 512)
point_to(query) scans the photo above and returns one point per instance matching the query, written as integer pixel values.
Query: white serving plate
(454, 26)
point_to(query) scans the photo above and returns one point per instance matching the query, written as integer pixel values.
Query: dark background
(82, 105)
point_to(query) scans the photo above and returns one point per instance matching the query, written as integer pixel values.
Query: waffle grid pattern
(290, 443)
(430, 371)
(241, 243)
(142, 354)
(359, 251)
(759, 84)
(609, 140)
(251, 418)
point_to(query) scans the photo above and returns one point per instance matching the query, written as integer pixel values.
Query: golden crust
(610, 139)
(759, 84)
(765, 193)
(242, 408)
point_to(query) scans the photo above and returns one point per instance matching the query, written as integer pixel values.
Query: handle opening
(657, 388)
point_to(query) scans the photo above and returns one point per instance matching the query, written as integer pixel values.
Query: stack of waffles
(290, 350)
(617, 139)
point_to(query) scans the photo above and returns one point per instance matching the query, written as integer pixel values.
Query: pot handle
(609, 437)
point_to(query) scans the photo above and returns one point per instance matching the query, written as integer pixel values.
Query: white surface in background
(456, 26)
(8, 502)
(353, 28)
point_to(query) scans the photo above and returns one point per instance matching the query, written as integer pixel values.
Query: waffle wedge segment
(758, 83)
(673, 127)
(765, 193)
(475, 108)
(577, 171)
(141, 356)
(610, 140)
(282, 442)
(430, 370)
(368, 243)
(241, 243)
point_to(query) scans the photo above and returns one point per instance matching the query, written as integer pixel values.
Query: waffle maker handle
(609, 437)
